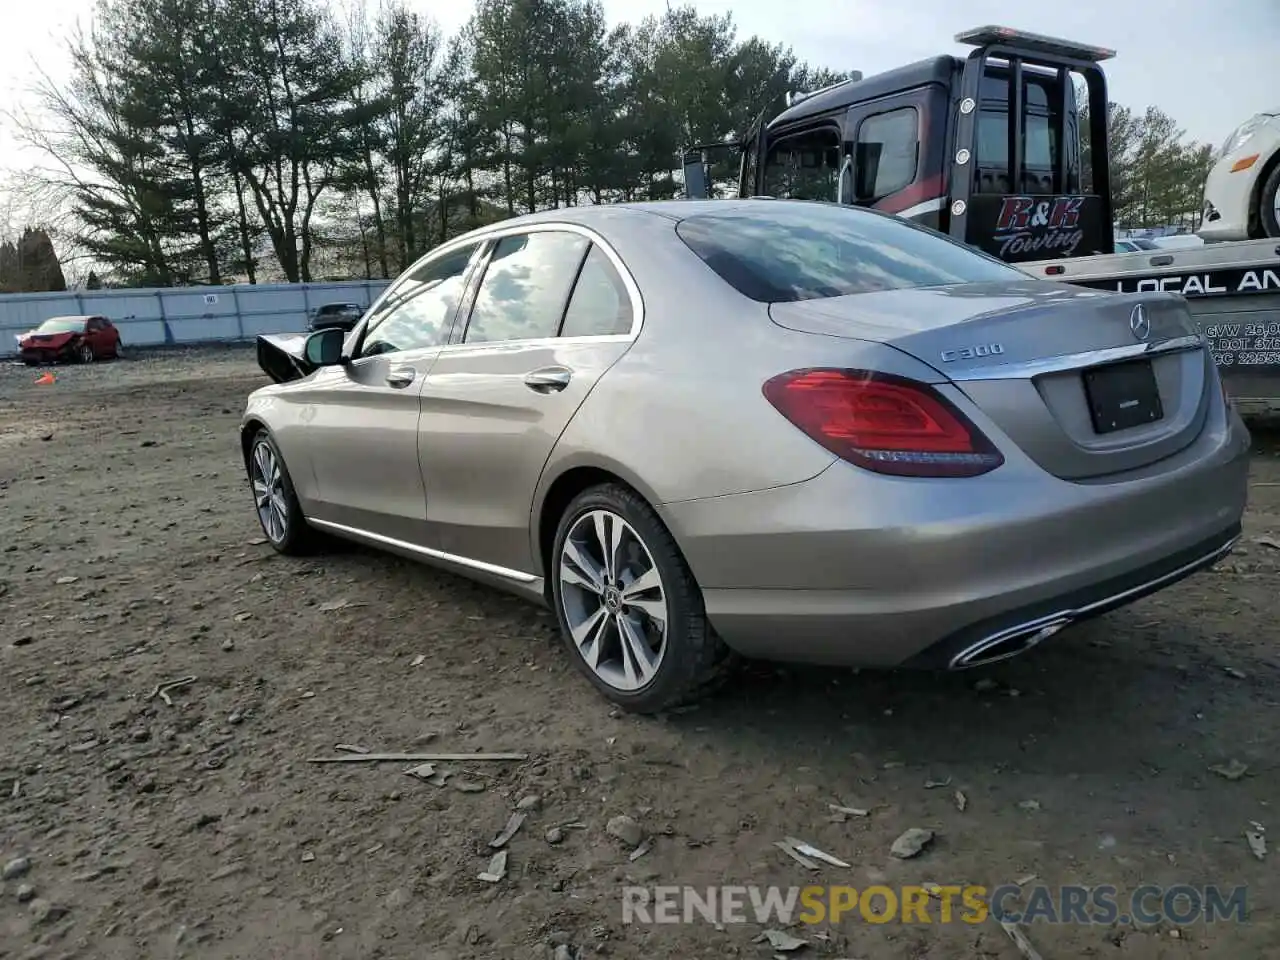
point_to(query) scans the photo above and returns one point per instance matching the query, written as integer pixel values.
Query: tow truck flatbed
(1233, 290)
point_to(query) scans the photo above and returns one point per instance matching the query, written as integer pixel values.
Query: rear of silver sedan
(945, 580)
(1059, 453)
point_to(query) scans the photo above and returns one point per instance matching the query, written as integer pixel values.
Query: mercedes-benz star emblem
(1139, 324)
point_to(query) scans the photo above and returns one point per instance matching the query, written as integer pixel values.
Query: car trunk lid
(1086, 383)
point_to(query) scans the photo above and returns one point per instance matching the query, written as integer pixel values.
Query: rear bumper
(851, 569)
(1017, 631)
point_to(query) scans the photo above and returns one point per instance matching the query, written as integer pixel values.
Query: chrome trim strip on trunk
(1074, 361)
(1062, 618)
(427, 552)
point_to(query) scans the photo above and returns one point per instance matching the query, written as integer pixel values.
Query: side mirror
(324, 347)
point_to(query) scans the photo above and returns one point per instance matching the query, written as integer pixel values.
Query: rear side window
(525, 286)
(804, 251)
(600, 305)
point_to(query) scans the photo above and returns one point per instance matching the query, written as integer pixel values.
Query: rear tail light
(884, 423)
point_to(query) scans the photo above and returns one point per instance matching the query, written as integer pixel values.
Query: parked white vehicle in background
(1242, 194)
(1176, 241)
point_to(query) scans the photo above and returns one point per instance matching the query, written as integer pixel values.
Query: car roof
(603, 215)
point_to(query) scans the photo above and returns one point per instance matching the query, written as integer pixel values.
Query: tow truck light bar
(1051, 46)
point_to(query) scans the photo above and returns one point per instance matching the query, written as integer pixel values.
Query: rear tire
(1269, 204)
(276, 502)
(629, 608)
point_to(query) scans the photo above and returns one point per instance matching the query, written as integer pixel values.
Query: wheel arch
(1255, 229)
(571, 480)
(248, 430)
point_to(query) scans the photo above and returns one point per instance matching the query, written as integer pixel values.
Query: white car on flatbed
(1242, 194)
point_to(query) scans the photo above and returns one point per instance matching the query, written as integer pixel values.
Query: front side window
(525, 286)
(793, 252)
(419, 312)
(888, 145)
(423, 273)
(804, 167)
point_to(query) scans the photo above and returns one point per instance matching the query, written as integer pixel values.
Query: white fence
(174, 315)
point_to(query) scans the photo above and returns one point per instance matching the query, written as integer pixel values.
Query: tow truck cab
(987, 148)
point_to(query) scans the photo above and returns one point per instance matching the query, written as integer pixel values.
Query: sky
(1211, 64)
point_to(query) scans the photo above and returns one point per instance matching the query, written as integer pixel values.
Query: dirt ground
(130, 557)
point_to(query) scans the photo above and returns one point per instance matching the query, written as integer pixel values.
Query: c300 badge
(976, 352)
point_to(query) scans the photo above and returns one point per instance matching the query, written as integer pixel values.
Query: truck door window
(888, 150)
(804, 167)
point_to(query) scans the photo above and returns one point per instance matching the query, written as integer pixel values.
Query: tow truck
(989, 149)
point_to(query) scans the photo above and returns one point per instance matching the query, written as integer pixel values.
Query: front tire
(84, 353)
(1269, 204)
(629, 608)
(276, 502)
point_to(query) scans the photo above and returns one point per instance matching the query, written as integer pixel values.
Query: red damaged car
(82, 339)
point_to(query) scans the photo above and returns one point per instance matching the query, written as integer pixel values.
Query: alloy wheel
(86, 353)
(267, 480)
(614, 600)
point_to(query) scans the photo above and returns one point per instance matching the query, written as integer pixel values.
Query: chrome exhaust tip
(1008, 643)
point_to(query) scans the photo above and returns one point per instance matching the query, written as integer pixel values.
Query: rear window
(805, 251)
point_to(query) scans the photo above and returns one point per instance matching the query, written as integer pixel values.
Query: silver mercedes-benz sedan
(787, 430)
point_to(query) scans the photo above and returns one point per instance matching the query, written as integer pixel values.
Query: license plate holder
(1122, 395)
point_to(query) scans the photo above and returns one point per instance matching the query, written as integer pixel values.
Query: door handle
(401, 377)
(548, 379)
